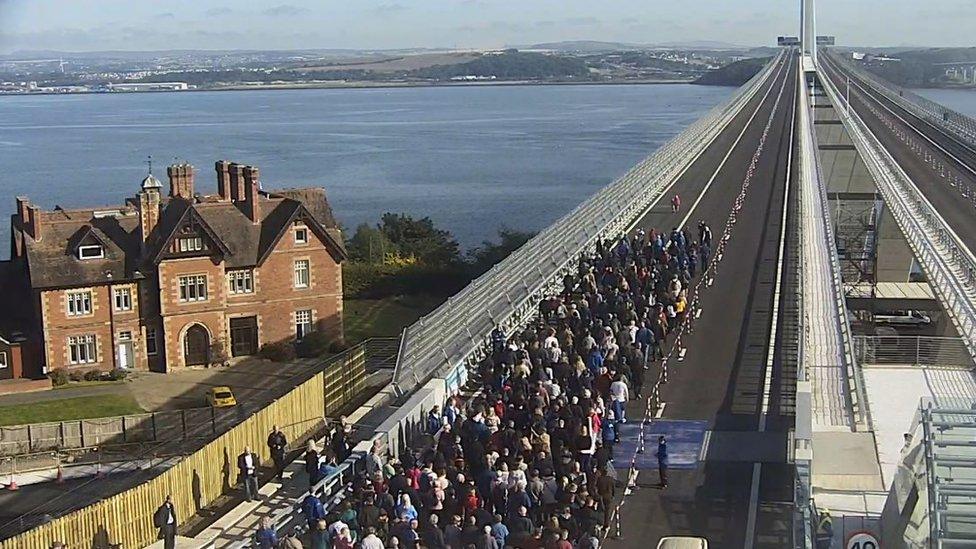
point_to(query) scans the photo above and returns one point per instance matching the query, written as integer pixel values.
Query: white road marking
(704, 448)
(681, 353)
(660, 410)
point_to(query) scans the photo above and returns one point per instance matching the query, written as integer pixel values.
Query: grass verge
(67, 409)
(387, 317)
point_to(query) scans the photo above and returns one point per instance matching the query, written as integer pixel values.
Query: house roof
(53, 261)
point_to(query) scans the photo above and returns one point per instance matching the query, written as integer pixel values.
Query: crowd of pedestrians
(530, 461)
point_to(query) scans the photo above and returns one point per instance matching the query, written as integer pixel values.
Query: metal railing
(912, 350)
(507, 295)
(948, 263)
(957, 124)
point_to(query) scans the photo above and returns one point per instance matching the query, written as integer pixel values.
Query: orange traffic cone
(60, 478)
(12, 485)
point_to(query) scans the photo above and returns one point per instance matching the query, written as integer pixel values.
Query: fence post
(183, 421)
(30, 439)
(918, 350)
(155, 436)
(213, 420)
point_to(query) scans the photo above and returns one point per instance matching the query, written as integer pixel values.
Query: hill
(510, 65)
(733, 74)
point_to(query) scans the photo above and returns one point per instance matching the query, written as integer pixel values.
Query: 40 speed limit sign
(862, 540)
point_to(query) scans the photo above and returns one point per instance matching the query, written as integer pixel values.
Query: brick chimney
(223, 180)
(180, 180)
(30, 217)
(251, 204)
(34, 222)
(236, 181)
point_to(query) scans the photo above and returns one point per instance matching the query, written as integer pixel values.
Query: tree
(420, 239)
(369, 245)
(489, 253)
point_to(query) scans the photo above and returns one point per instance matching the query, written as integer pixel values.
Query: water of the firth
(472, 158)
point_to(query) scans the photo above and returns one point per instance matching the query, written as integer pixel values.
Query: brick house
(164, 282)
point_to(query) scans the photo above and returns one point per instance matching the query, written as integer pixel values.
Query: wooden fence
(125, 520)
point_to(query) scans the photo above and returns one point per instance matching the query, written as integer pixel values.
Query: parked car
(903, 318)
(682, 542)
(221, 397)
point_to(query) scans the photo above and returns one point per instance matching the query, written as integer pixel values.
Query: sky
(92, 25)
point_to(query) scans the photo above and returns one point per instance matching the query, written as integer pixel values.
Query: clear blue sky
(80, 25)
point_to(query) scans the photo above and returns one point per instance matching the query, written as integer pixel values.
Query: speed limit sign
(863, 540)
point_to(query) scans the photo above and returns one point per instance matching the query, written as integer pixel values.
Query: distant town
(564, 62)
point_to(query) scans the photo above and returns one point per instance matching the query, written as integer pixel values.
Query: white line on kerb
(771, 347)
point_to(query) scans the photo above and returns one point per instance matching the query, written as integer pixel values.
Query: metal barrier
(507, 295)
(125, 519)
(948, 263)
(913, 350)
(957, 124)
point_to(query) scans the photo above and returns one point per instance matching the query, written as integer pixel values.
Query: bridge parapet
(949, 265)
(455, 335)
(952, 121)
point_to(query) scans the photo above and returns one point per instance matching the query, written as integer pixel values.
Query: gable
(286, 226)
(191, 236)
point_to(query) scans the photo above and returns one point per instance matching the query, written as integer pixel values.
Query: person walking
(662, 460)
(675, 203)
(312, 464)
(165, 520)
(277, 444)
(247, 466)
(313, 509)
(266, 537)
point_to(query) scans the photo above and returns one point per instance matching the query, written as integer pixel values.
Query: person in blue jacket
(313, 509)
(662, 460)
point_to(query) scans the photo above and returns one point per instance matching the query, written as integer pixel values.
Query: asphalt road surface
(958, 158)
(737, 491)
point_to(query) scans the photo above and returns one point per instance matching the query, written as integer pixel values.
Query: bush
(118, 374)
(314, 345)
(59, 377)
(282, 351)
(76, 375)
(92, 375)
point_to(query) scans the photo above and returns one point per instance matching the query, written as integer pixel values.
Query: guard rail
(507, 296)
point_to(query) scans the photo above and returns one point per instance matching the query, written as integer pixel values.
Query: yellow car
(221, 397)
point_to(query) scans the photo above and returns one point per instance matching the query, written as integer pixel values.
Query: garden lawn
(387, 317)
(69, 408)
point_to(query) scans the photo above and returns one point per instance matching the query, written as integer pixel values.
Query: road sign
(862, 540)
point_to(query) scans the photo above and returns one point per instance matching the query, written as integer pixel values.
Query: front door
(124, 355)
(244, 336)
(196, 346)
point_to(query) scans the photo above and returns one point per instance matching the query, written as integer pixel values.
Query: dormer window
(190, 244)
(301, 234)
(92, 251)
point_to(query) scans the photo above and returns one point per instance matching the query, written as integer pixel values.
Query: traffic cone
(12, 485)
(98, 471)
(60, 478)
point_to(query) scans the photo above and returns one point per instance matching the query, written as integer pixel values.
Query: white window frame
(304, 323)
(125, 294)
(151, 350)
(240, 281)
(303, 273)
(3, 360)
(82, 249)
(189, 244)
(301, 230)
(79, 303)
(192, 288)
(82, 349)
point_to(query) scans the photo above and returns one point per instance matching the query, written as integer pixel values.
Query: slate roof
(53, 262)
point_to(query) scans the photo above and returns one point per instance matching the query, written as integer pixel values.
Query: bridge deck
(728, 497)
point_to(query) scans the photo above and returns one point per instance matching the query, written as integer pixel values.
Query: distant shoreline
(363, 85)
